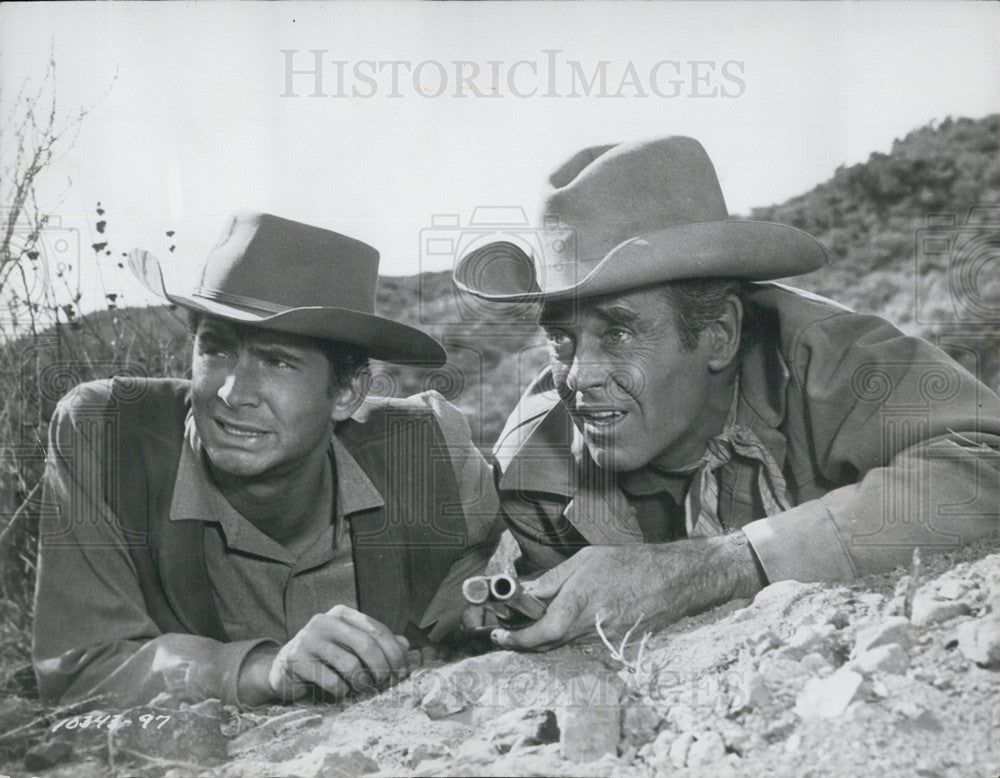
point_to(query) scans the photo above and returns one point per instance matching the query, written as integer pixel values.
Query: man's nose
(588, 370)
(241, 386)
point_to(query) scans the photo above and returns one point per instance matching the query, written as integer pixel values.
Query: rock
(979, 640)
(588, 733)
(681, 718)
(891, 658)
(659, 749)
(171, 734)
(707, 749)
(794, 743)
(271, 728)
(443, 699)
(46, 755)
(763, 641)
(679, 749)
(928, 610)
(896, 629)
(827, 698)
(952, 589)
(640, 724)
(816, 663)
(808, 640)
(346, 764)
(754, 695)
(530, 727)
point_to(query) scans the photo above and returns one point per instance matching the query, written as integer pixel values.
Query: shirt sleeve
(903, 444)
(481, 509)
(92, 635)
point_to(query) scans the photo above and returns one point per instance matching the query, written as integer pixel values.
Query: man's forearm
(699, 573)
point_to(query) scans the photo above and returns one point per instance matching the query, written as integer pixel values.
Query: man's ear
(724, 335)
(348, 398)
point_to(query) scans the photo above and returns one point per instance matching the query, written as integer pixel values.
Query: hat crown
(606, 195)
(268, 264)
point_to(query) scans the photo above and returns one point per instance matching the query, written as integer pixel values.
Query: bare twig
(22, 510)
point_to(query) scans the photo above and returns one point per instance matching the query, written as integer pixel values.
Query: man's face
(262, 400)
(632, 388)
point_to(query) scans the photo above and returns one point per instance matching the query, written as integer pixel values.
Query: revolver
(505, 596)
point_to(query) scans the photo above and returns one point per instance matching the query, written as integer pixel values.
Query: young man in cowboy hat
(262, 531)
(700, 432)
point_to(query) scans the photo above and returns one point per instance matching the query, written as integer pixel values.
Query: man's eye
(278, 363)
(617, 335)
(558, 339)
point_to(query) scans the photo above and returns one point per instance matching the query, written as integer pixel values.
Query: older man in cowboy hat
(700, 432)
(264, 530)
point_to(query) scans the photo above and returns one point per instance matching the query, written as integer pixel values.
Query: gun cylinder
(476, 589)
(507, 589)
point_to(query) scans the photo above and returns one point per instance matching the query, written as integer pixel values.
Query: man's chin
(613, 459)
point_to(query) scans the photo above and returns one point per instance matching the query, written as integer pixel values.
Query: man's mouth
(598, 417)
(239, 430)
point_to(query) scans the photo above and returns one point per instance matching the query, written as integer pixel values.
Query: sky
(393, 122)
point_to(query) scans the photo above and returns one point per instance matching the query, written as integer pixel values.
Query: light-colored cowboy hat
(625, 216)
(291, 277)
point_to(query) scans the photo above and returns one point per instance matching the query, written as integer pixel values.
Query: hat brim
(383, 338)
(502, 271)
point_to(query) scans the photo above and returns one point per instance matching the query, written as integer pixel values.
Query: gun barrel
(476, 589)
(507, 589)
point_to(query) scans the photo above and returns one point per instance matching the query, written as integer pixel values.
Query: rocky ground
(895, 675)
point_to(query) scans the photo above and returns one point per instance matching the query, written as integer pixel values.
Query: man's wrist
(746, 573)
(253, 686)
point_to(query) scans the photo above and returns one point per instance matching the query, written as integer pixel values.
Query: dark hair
(697, 302)
(346, 359)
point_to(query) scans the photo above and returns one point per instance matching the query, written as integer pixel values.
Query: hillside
(776, 686)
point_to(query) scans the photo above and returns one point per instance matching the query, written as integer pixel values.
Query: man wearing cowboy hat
(264, 530)
(700, 432)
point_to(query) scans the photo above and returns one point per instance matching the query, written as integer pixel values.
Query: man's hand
(661, 582)
(340, 651)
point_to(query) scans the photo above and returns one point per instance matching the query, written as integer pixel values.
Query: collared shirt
(261, 588)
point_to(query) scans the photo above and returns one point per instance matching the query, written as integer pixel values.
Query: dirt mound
(894, 675)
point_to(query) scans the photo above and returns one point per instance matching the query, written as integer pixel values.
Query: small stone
(979, 640)
(815, 663)
(679, 749)
(793, 743)
(952, 589)
(896, 629)
(641, 723)
(346, 764)
(763, 641)
(827, 698)
(443, 699)
(754, 695)
(707, 749)
(808, 640)
(588, 733)
(681, 718)
(46, 755)
(927, 610)
(659, 749)
(891, 658)
(530, 727)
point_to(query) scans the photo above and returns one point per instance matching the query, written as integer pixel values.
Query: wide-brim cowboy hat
(625, 216)
(290, 277)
